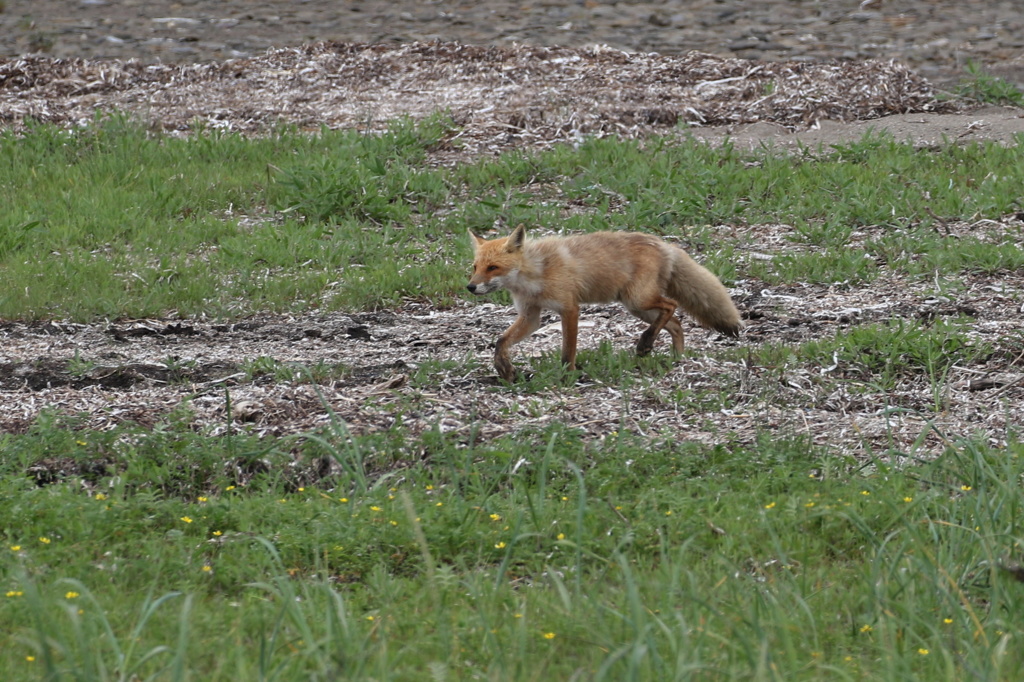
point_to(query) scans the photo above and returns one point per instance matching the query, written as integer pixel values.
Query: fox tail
(701, 294)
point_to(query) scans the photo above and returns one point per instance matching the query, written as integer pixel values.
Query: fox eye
(492, 268)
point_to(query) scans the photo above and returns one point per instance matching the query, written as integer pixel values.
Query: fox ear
(516, 239)
(476, 241)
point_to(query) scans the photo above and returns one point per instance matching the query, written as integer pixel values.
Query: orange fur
(647, 275)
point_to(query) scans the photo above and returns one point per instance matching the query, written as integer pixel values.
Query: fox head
(496, 261)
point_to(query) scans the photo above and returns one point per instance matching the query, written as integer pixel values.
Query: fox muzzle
(483, 287)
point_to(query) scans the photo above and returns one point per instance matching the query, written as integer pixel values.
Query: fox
(649, 276)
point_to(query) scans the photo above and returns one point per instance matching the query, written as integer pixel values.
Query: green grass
(625, 559)
(266, 366)
(115, 220)
(983, 87)
(172, 553)
(881, 353)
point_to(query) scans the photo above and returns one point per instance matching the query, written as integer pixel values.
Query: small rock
(658, 19)
(246, 410)
(744, 44)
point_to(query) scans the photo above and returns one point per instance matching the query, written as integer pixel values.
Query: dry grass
(501, 96)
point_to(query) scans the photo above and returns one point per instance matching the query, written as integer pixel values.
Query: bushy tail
(702, 295)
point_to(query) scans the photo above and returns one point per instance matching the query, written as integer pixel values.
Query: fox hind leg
(675, 330)
(660, 314)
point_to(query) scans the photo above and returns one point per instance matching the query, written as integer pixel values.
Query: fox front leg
(570, 326)
(527, 323)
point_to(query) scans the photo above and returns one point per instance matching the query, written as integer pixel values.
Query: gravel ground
(934, 37)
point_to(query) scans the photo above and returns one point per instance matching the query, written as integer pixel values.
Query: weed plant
(983, 87)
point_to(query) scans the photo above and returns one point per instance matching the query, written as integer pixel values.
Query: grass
(983, 87)
(882, 352)
(115, 220)
(266, 366)
(627, 559)
(404, 554)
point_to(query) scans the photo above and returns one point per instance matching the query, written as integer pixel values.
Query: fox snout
(481, 288)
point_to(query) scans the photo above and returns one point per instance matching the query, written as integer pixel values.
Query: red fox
(647, 275)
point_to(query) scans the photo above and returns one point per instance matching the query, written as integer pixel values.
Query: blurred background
(938, 38)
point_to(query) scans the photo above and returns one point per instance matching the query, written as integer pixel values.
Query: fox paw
(505, 369)
(644, 348)
(646, 344)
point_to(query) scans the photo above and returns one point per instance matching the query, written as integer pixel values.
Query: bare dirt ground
(526, 75)
(934, 37)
